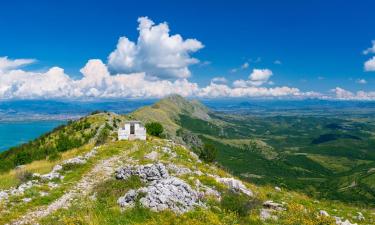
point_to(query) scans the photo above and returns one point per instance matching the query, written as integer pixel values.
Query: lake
(15, 133)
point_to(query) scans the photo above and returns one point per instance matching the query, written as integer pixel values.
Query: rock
(149, 172)
(51, 176)
(152, 156)
(26, 200)
(77, 160)
(42, 193)
(128, 199)
(91, 153)
(235, 185)
(277, 189)
(52, 185)
(171, 193)
(323, 213)
(22, 188)
(169, 151)
(360, 216)
(178, 170)
(163, 191)
(3, 195)
(273, 205)
(193, 155)
(266, 214)
(340, 222)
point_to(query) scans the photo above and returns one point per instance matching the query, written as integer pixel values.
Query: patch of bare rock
(162, 192)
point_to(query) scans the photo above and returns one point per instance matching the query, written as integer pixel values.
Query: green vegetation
(305, 151)
(208, 153)
(154, 129)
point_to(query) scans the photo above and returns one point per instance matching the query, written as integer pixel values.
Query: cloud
(9, 64)
(371, 49)
(219, 80)
(343, 94)
(361, 81)
(244, 66)
(370, 64)
(277, 62)
(98, 82)
(157, 53)
(257, 77)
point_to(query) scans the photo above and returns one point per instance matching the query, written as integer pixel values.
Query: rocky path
(102, 171)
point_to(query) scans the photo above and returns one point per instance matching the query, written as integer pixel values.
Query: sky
(211, 49)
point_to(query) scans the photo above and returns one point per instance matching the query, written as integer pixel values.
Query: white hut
(132, 130)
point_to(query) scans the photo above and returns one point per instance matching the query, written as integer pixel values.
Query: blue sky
(320, 44)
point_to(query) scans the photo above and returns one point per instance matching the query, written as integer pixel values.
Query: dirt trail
(102, 171)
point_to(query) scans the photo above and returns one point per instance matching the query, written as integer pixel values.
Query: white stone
(323, 213)
(277, 189)
(3, 195)
(235, 185)
(266, 214)
(26, 200)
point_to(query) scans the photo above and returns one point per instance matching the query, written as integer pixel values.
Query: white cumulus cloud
(9, 64)
(343, 94)
(371, 49)
(257, 77)
(370, 64)
(157, 53)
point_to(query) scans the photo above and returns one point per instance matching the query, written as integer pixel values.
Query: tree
(154, 129)
(208, 153)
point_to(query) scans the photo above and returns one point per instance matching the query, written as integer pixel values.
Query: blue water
(15, 133)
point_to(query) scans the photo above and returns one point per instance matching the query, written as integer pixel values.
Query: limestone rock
(323, 213)
(149, 172)
(273, 205)
(235, 185)
(3, 195)
(178, 170)
(266, 214)
(128, 199)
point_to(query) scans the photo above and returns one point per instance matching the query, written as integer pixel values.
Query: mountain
(169, 110)
(89, 177)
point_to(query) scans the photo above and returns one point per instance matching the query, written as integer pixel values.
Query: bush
(54, 156)
(208, 153)
(238, 203)
(154, 129)
(102, 137)
(23, 175)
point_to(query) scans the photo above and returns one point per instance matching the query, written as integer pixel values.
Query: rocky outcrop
(147, 173)
(162, 191)
(269, 209)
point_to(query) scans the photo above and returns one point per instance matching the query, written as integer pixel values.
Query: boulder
(235, 185)
(323, 213)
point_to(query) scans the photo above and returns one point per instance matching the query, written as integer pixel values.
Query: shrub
(238, 203)
(102, 137)
(54, 156)
(208, 153)
(154, 129)
(23, 175)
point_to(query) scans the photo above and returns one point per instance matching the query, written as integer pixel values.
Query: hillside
(158, 181)
(331, 157)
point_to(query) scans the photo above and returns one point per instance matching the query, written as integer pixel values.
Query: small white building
(132, 130)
